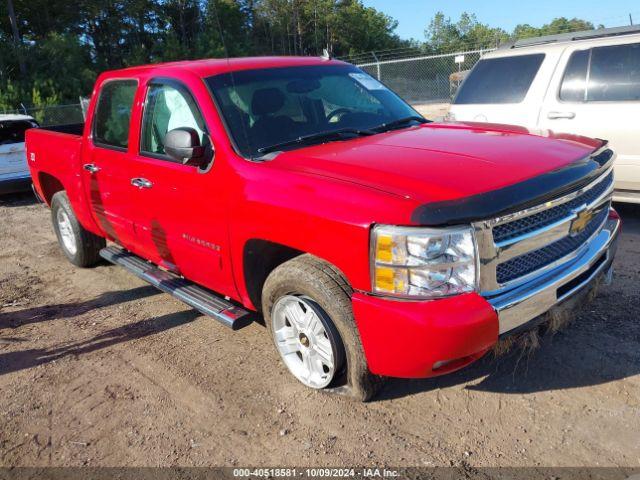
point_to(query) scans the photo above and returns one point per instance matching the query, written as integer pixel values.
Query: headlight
(423, 262)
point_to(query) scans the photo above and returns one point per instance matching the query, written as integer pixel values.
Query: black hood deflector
(519, 196)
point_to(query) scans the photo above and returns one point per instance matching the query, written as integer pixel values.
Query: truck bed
(54, 153)
(70, 129)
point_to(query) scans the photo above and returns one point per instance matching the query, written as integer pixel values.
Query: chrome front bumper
(522, 304)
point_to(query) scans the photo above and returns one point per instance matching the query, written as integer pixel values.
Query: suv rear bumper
(422, 339)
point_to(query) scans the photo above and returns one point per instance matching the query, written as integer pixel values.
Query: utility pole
(17, 41)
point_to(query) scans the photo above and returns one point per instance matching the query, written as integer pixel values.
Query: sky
(414, 15)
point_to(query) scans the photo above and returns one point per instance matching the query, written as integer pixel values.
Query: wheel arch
(49, 186)
(259, 258)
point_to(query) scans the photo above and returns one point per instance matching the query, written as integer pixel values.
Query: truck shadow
(69, 310)
(24, 359)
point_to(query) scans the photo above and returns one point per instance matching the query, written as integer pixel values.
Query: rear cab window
(113, 114)
(500, 80)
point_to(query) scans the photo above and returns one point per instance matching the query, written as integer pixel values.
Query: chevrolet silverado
(373, 242)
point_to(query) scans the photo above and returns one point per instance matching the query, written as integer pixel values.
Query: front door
(182, 224)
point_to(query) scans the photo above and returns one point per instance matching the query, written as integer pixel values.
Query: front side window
(113, 113)
(499, 80)
(168, 107)
(266, 107)
(615, 74)
(574, 82)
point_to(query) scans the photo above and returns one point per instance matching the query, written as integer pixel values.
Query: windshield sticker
(368, 82)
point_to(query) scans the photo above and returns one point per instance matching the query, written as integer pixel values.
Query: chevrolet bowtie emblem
(583, 218)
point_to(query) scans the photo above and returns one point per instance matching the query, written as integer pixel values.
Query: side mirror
(183, 144)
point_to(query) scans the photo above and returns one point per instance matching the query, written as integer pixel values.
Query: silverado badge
(581, 221)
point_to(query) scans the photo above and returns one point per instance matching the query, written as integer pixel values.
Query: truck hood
(440, 162)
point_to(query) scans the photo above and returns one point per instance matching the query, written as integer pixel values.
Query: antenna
(226, 53)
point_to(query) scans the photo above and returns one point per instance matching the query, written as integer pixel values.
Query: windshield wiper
(341, 134)
(399, 123)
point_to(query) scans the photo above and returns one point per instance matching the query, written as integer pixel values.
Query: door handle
(559, 115)
(91, 168)
(141, 183)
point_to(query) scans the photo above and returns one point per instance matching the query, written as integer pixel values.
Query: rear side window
(13, 131)
(113, 113)
(574, 82)
(615, 74)
(500, 80)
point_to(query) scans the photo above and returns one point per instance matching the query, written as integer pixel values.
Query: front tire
(306, 304)
(80, 246)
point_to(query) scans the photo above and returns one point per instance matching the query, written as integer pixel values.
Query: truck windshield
(270, 109)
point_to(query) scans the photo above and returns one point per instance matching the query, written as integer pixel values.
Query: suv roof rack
(573, 36)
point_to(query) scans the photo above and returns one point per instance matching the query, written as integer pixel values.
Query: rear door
(13, 163)
(182, 223)
(596, 93)
(106, 174)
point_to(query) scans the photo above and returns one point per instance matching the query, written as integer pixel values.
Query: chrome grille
(531, 223)
(530, 262)
(516, 248)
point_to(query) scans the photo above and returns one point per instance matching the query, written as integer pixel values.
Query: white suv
(587, 83)
(14, 172)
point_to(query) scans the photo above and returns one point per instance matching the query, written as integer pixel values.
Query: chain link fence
(422, 79)
(419, 79)
(52, 115)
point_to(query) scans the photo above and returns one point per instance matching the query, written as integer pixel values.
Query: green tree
(557, 25)
(445, 36)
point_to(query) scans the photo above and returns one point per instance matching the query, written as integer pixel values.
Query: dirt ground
(433, 111)
(98, 369)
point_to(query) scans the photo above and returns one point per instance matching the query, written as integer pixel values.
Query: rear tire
(320, 287)
(80, 246)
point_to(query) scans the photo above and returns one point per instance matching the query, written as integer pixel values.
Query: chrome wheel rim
(303, 341)
(66, 232)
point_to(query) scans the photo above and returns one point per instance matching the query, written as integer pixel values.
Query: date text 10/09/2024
(315, 473)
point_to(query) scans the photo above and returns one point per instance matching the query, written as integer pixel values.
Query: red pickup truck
(373, 242)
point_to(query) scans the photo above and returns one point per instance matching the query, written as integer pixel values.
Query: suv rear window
(574, 82)
(13, 131)
(500, 80)
(615, 74)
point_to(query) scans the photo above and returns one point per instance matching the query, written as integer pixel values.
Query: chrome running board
(203, 300)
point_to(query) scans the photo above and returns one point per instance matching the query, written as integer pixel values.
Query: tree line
(52, 50)
(443, 35)
(55, 49)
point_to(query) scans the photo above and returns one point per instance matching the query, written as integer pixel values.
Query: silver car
(14, 172)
